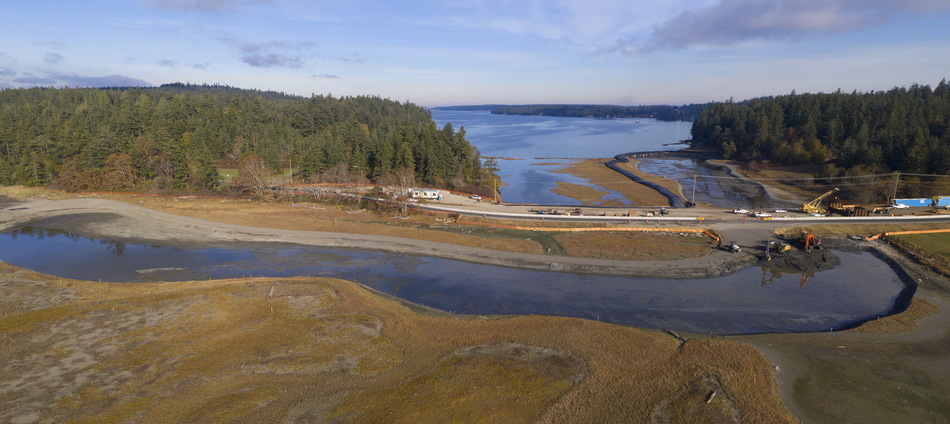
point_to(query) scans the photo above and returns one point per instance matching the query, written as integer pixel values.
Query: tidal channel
(750, 301)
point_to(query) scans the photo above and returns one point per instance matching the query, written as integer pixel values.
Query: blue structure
(921, 202)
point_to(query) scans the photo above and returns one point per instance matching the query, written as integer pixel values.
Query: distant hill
(470, 108)
(660, 112)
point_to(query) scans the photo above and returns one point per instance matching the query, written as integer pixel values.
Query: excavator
(810, 241)
(814, 206)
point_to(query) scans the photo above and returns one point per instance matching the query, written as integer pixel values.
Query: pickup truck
(740, 211)
(900, 206)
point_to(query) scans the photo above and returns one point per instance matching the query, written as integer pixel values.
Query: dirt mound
(801, 261)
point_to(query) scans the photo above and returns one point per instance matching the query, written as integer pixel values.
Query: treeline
(660, 112)
(178, 137)
(904, 129)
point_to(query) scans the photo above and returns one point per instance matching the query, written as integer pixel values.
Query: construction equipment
(733, 247)
(779, 246)
(814, 206)
(810, 241)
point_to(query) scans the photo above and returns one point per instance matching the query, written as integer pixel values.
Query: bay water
(530, 148)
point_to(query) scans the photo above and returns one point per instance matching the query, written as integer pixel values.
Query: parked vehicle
(762, 215)
(780, 211)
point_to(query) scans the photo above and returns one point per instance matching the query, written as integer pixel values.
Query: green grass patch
(227, 174)
(936, 243)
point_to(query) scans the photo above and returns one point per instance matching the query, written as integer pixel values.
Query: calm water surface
(862, 287)
(527, 139)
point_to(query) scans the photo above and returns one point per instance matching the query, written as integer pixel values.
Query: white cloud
(73, 80)
(576, 20)
(213, 6)
(731, 22)
(52, 58)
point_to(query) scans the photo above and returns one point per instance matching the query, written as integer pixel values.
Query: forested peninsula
(905, 129)
(659, 112)
(181, 136)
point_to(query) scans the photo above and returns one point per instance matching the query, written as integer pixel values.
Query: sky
(465, 52)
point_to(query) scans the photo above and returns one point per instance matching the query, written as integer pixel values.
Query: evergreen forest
(180, 137)
(905, 129)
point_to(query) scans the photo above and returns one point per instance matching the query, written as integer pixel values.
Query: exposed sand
(600, 175)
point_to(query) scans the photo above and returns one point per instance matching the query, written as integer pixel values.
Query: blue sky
(437, 53)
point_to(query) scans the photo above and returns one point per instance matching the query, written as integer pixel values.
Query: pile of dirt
(801, 261)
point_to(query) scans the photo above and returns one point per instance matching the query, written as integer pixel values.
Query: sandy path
(126, 222)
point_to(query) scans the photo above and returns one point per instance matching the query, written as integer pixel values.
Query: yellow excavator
(814, 206)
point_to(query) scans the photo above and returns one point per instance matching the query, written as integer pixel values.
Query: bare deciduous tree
(253, 175)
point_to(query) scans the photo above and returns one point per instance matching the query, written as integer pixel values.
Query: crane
(814, 206)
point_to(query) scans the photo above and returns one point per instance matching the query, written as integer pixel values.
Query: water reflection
(115, 247)
(862, 287)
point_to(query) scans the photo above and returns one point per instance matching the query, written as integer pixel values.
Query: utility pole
(494, 194)
(694, 191)
(897, 179)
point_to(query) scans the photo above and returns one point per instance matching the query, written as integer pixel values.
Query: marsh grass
(902, 322)
(320, 350)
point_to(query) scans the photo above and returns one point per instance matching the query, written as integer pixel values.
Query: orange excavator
(810, 241)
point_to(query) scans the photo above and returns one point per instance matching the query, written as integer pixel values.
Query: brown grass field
(841, 230)
(324, 350)
(902, 322)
